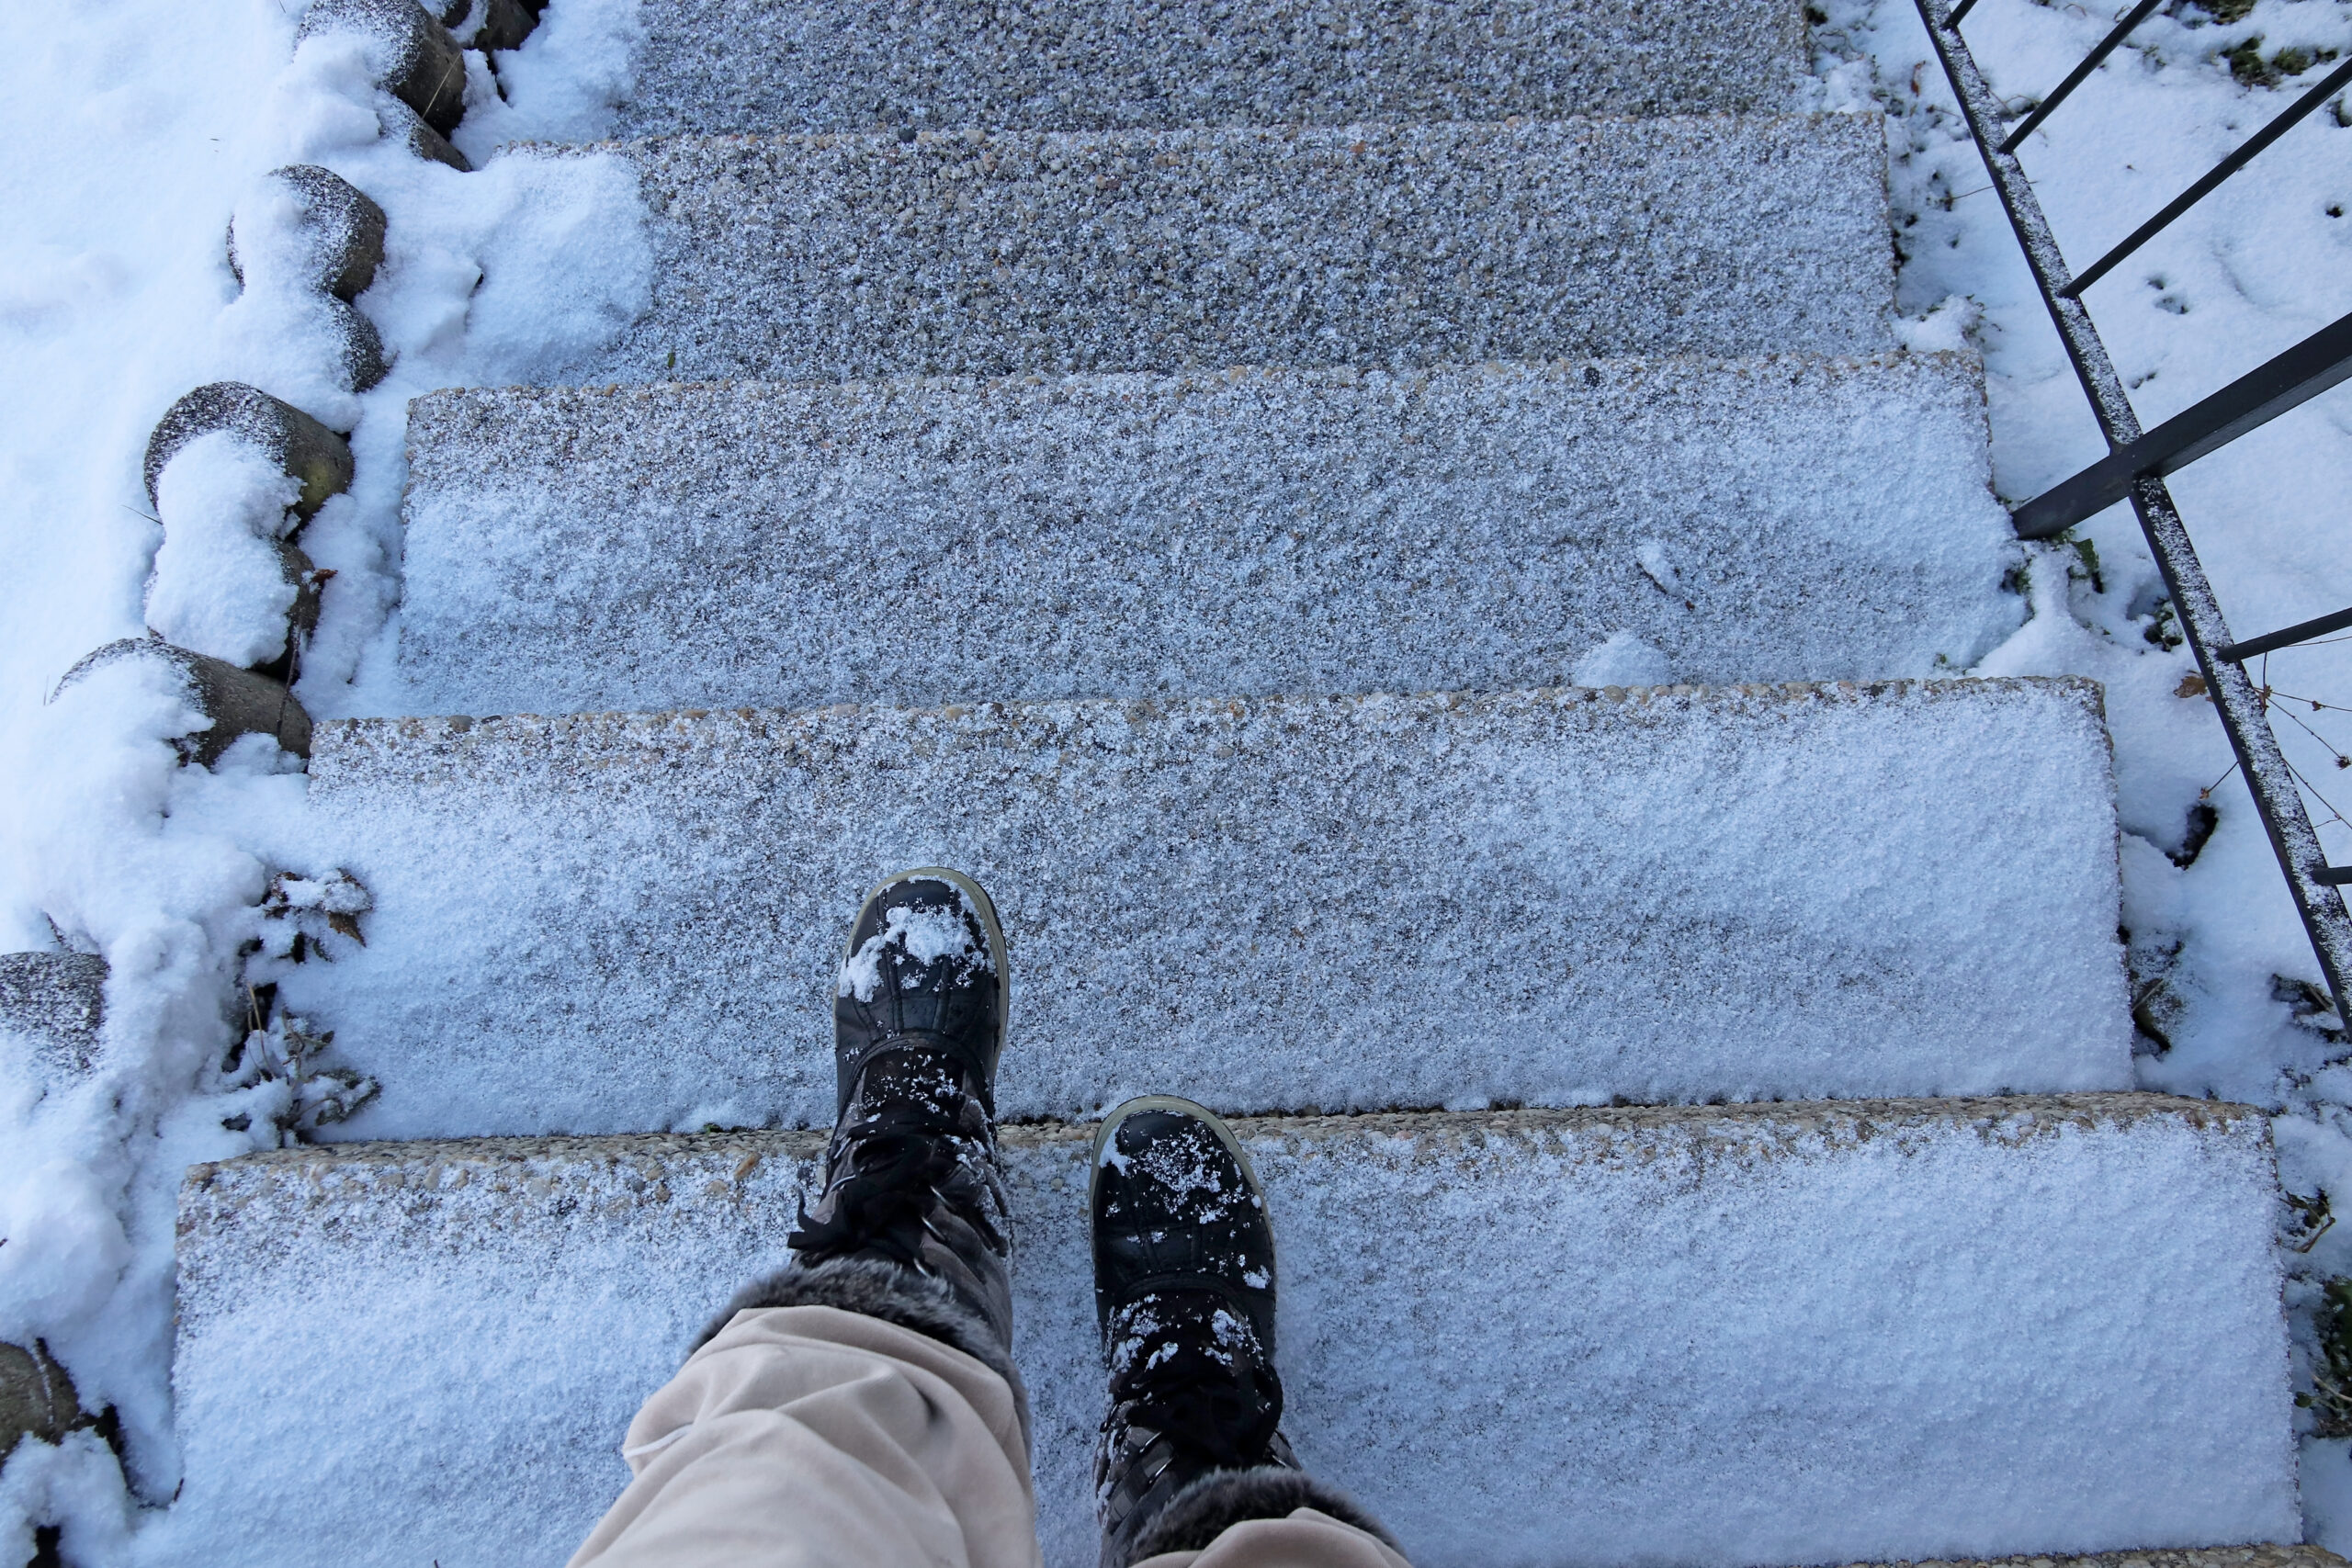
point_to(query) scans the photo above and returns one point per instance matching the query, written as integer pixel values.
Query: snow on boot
(911, 1227)
(1185, 1295)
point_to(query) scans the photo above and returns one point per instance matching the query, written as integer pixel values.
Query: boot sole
(981, 905)
(1199, 1113)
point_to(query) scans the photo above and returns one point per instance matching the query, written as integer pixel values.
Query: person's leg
(861, 1407)
(1191, 1467)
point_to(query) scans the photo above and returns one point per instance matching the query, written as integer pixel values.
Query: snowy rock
(316, 456)
(422, 139)
(225, 583)
(308, 227)
(498, 24)
(415, 57)
(359, 346)
(235, 702)
(1717, 1336)
(610, 922)
(54, 1002)
(36, 1398)
(1226, 534)
(708, 66)
(841, 257)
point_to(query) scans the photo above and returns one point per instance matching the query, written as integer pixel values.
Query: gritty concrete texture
(706, 66)
(1235, 534)
(848, 257)
(1718, 1337)
(604, 924)
(53, 1003)
(2267, 1555)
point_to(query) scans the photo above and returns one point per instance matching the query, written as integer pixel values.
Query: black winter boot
(911, 1227)
(1185, 1295)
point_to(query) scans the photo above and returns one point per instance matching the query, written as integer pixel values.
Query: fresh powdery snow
(1908, 1328)
(137, 130)
(219, 585)
(1551, 897)
(1960, 1253)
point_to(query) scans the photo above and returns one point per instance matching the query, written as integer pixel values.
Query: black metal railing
(2138, 460)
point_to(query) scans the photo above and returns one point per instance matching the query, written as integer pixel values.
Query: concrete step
(863, 257)
(1239, 533)
(706, 66)
(1781, 1333)
(608, 923)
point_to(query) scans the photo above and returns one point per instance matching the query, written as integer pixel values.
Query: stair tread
(602, 923)
(751, 66)
(862, 257)
(1779, 1334)
(1233, 533)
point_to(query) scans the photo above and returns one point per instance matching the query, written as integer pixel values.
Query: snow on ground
(2220, 965)
(136, 130)
(139, 129)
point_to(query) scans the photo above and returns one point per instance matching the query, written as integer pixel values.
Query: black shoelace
(900, 1161)
(1219, 1403)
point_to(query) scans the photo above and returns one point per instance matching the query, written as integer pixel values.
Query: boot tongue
(912, 1085)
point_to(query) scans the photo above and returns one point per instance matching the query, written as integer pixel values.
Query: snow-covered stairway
(1765, 1334)
(1235, 534)
(606, 924)
(1172, 460)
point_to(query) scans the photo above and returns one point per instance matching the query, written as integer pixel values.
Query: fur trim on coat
(872, 1287)
(1194, 1518)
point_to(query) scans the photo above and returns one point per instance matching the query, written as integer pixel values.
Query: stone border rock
(421, 64)
(58, 999)
(316, 457)
(345, 233)
(36, 1398)
(236, 702)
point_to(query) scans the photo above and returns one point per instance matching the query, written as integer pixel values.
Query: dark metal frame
(2138, 460)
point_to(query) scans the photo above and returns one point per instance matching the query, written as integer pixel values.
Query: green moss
(2225, 11)
(2248, 66)
(2330, 1400)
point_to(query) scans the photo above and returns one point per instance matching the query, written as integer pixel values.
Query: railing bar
(1958, 11)
(2109, 403)
(2277, 800)
(2269, 133)
(2076, 77)
(2335, 875)
(2285, 637)
(2284, 382)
